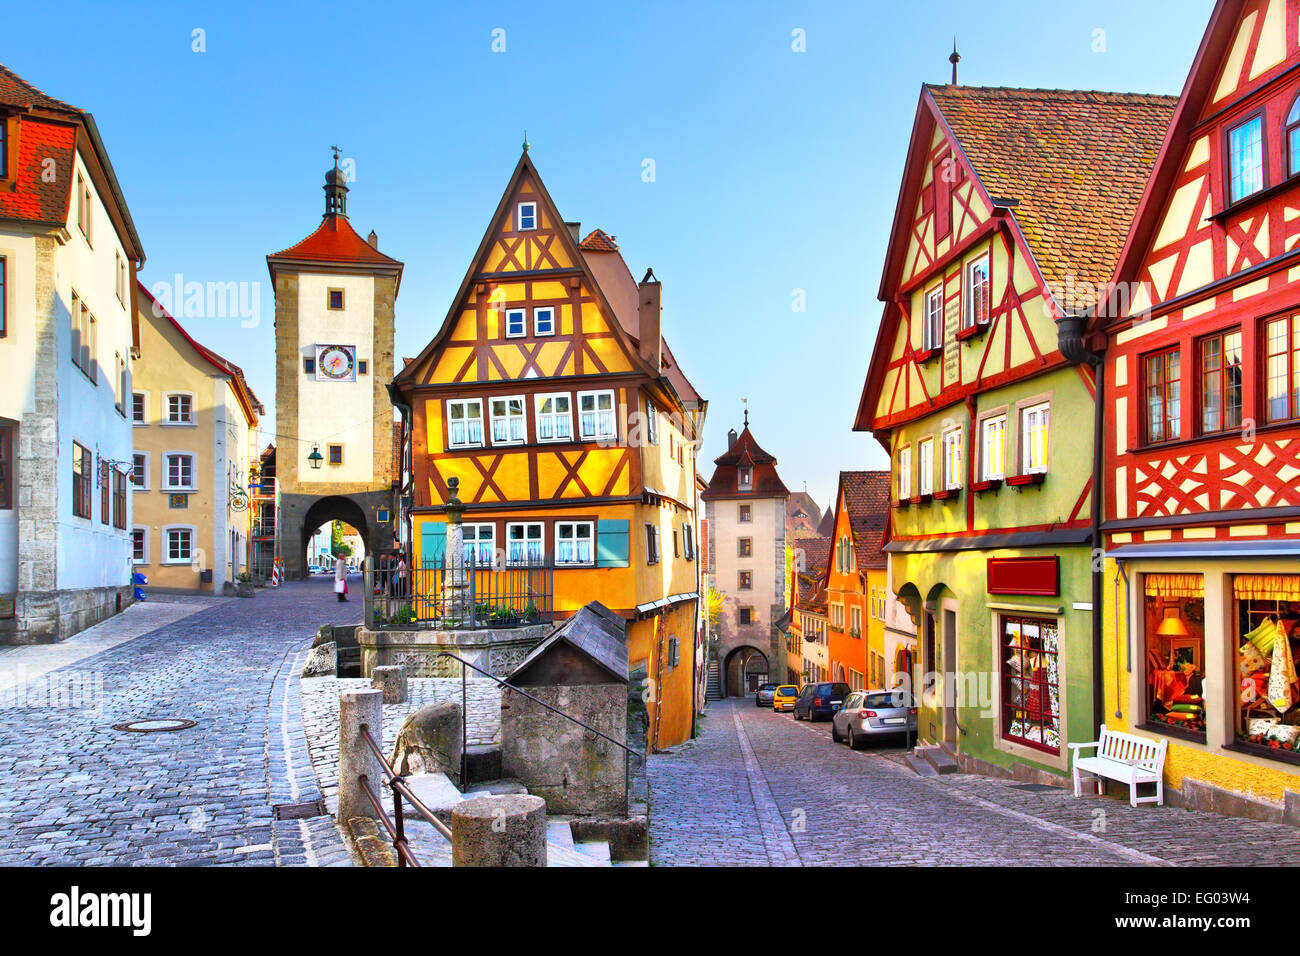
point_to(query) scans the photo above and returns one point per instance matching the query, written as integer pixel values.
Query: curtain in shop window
(1266, 587)
(1175, 585)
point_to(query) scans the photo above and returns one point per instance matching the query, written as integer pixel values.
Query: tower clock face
(336, 363)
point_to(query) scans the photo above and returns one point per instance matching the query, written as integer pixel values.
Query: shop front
(1208, 663)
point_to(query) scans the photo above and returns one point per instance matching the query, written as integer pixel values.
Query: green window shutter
(611, 544)
(433, 543)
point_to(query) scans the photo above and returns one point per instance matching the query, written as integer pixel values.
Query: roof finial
(526, 146)
(336, 188)
(336, 156)
(954, 58)
(745, 402)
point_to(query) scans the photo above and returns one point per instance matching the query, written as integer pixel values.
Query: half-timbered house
(551, 395)
(1013, 203)
(1202, 453)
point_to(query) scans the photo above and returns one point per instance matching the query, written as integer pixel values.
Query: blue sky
(775, 170)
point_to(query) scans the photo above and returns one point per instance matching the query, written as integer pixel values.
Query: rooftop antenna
(954, 58)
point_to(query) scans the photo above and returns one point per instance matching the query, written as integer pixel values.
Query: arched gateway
(335, 295)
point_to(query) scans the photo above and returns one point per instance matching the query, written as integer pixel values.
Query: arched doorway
(744, 669)
(322, 514)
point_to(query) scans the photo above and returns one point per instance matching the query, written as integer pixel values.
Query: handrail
(397, 783)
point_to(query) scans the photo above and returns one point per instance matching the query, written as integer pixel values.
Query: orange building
(856, 581)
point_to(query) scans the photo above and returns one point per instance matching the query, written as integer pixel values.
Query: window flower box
(921, 499)
(1025, 481)
(902, 502)
(973, 331)
(926, 355)
(988, 484)
(947, 494)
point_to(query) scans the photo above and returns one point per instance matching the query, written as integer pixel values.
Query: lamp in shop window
(1172, 625)
(315, 457)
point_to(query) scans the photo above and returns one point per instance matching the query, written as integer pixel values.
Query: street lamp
(315, 457)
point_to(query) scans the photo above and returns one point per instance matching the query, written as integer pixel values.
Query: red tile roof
(598, 240)
(1073, 163)
(15, 91)
(725, 481)
(335, 241)
(34, 197)
(866, 495)
(812, 555)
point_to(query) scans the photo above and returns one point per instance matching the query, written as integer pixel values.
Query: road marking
(776, 838)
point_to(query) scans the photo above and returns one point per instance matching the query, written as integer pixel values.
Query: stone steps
(939, 758)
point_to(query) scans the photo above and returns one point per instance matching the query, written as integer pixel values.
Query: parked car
(763, 696)
(784, 696)
(868, 714)
(820, 700)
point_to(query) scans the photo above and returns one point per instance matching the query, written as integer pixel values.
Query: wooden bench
(1126, 758)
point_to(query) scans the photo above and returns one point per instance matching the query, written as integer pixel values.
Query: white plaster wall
(17, 374)
(768, 521)
(90, 553)
(336, 412)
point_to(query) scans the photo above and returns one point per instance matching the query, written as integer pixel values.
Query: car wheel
(835, 734)
(854, 742)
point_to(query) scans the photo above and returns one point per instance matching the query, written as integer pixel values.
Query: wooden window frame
(329, 453)
(1166, 381)
(590, 537)
(951, 458)
(612, 435)
(143, 460)
(652, 554)
(468, 443)
(745, 514)
(83, 466)
(553, 417)
(903, 472)
(744, 547)
(143, 532)
(119, 500)
(932, 332)
(166, 543)
(191, 421)
(924, 468)
(745, 616)
(1228, 129)
(1291, 353)
(525, 541)
(1005, 675)
(166, 476)
(478, 540)
(105, 493)
(652, 422)
(744, 580)
(1201, 372)
(519, 217)
(1291, 124)
(329, 300)
(144, 408)
(508, 418)
(1026, 445)
(507, 316)
(537, 325)
(969, 319)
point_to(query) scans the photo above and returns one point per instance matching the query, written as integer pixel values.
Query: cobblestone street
(759, 788)
(78, 792)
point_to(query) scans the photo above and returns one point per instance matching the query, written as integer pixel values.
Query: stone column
(391, 681)
(455, 600)
(499, 831)
(358, 707)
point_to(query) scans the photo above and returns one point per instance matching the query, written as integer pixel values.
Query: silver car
(763, 697)
(873, 713)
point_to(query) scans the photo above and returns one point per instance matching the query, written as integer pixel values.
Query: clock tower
(335, 295)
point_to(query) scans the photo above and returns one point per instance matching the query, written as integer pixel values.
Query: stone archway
(325, 510)
(743, 669)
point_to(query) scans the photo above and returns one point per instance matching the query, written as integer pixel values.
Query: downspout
(1070, 338)
(404, 502)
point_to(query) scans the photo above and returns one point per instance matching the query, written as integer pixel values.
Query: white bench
(1126, 758)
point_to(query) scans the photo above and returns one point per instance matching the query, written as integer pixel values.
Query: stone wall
(46, 617)
(497, 651)
(573, 770)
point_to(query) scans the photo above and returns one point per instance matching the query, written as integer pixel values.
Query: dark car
(820, 700)
(763, 696)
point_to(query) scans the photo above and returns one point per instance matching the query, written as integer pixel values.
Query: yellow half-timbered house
(550, 394)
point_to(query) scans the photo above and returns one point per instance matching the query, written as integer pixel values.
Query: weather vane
(336, 154)
(745, 402)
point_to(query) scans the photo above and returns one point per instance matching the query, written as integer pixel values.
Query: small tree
(714, 609)
(337, 545)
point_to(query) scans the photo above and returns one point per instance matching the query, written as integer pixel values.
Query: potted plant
(244, 588)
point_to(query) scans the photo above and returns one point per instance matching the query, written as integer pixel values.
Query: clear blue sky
(775, 170)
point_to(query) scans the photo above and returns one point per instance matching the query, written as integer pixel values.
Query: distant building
(802, 516)
(745, 507)
(806, 633)
(194, 421)
(68, 258)
(855, 580)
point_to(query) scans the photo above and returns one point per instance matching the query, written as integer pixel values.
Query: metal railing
(466, 594)
(397, 784)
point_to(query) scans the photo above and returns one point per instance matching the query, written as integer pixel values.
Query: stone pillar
(499, 831)
(358, 707)
(391, 680)
(455, 599)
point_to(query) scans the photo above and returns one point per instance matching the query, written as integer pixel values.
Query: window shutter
(433, 543)
(611, 543)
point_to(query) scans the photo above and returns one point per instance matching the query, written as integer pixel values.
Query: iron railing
(465, 594)
(395, 825)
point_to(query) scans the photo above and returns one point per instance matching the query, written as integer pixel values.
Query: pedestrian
(402, 572)
(340, 577)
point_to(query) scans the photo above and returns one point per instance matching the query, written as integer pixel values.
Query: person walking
(402, 573)
(340, 577)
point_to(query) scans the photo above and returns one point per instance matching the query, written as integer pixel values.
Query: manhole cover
(299, 811)
(1035, 787)
(161, 725)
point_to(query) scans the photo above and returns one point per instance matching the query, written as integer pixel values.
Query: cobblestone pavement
(718, 800)
(74, 791)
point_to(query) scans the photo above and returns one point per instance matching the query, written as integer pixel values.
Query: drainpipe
(1070, 337)
(404, 502)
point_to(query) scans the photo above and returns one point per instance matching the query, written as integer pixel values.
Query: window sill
(947, 494)
(177, 491)
(1028, 480)
(180, 424)
(174, 562)
(921, 499)
(1169, 730)
(902, 503)
(1264, 750)
(925, 356)
(973, 331)
(988, 484)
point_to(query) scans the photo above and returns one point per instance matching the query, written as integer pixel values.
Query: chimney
(731, 439)
(373, 239)
(648, 321)
(575, 230)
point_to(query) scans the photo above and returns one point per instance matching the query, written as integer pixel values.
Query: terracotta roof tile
(1073, 162)
(334, 241)
(34, 197)
(598, 240)
(15, 91)
(725, 481)
(866, 495)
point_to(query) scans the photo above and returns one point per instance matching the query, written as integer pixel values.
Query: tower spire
(526, 145)
(336, 189)
(954, 58)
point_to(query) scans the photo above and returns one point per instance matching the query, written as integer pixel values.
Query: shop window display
(1031, 695)
(1267, 639)
(1175, 652)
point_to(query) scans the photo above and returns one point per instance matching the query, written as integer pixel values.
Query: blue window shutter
(611, 543)
(433, 543)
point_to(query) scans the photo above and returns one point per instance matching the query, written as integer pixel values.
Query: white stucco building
(68, 257)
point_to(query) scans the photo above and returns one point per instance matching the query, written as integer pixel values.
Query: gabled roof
(598, 240)
(816, 554)
(252, 406)
(15, 91)
(725, 482)
(594, 631)
(865, 495)
(1072, 165)
(1191, 105)
(524, 167)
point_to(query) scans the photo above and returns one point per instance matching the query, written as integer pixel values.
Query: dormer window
(527, 216)
(1246, 158)
(746, 478)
